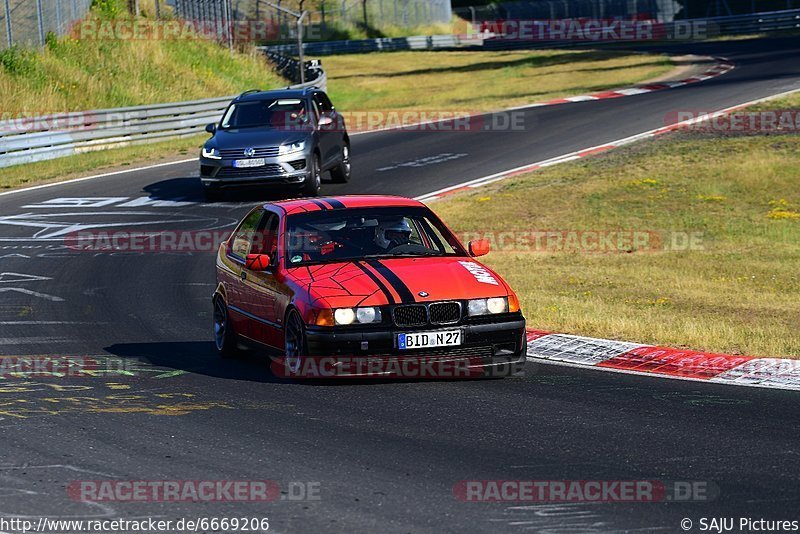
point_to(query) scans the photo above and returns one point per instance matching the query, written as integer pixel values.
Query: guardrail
(423, 42)
(54, 136)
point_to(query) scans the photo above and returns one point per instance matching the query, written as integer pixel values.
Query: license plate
(245, 163)
(426, 340)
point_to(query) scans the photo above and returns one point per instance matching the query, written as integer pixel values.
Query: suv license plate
(246, 163)
(426, 340)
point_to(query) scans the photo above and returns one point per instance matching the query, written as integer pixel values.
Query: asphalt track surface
(386, 455)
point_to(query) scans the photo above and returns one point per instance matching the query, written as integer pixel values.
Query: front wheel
(294, 342)
(313, 183)
(341, 173)
(225, 339)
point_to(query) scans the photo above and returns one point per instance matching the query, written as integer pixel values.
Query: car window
(243, 236)
(268, 113)
(354, 234)
(323, 102)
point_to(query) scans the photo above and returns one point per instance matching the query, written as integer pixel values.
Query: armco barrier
(47, 137)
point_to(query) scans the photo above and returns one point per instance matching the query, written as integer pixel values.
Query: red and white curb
(620, 356)
(721, 67)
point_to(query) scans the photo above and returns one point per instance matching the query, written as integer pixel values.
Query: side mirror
(211, 128)
(479, 247)
(257, 262)
(325, 121)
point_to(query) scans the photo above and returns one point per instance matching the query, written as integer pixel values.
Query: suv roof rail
(250, 91)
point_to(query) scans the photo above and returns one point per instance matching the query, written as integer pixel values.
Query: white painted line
(633, 91)
(582, 98)
(31, 293)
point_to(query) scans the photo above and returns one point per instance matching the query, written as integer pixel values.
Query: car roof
(300, 205)
(277, 93)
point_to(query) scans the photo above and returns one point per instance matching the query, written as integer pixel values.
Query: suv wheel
(313, 182)
(341, 173)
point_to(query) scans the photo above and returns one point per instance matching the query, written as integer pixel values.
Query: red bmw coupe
(362, 278)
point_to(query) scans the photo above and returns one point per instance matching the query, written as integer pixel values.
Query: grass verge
(461, 81)
(735, 291)
(480, 81)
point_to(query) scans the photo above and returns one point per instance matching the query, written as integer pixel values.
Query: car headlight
(487, 306)
(345, 316)
(291, 148)
(211, 153)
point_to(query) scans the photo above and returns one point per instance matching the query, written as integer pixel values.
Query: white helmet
(391, 234)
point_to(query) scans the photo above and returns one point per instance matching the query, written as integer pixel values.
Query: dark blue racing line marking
(378, 282)
(399, 286)
(319, 204)
(335, 204)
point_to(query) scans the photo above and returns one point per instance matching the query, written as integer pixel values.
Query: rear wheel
(294, 342)
(225, 338)
(313, 182)
(341, 173)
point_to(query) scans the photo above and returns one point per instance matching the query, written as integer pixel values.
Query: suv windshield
(268, 113)
(354, 234)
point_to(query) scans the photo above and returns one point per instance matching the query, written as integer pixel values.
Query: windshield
(270, 113)
(332, 236)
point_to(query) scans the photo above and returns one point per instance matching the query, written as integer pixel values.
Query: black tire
(212, 193)
(225, 339)
(341, 173)
(295, 344)
(313, 183)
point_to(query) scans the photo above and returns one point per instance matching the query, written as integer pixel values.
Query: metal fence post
(59, 30)
(9, 36)
(40, 20)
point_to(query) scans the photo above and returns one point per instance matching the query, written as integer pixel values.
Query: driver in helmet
(392, 234)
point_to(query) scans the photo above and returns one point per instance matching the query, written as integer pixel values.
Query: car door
(237, 294)
(327, 134)
(262, 287)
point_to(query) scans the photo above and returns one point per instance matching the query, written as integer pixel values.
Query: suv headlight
(291, 148)
(345, 316)
(487, 306)
(211, 153)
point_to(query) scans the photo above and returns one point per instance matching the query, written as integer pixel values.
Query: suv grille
(410, 315)
(445, 312)
(266, 170)
(238, 153)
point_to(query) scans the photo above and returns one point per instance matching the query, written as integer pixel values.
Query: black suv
(285, 138)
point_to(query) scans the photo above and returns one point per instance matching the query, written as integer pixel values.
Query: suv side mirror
(479, 247)
(257, 262)
(325, 120)
(211, 128)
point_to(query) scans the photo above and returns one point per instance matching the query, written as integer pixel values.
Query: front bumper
(292, 169)
(496, 348)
